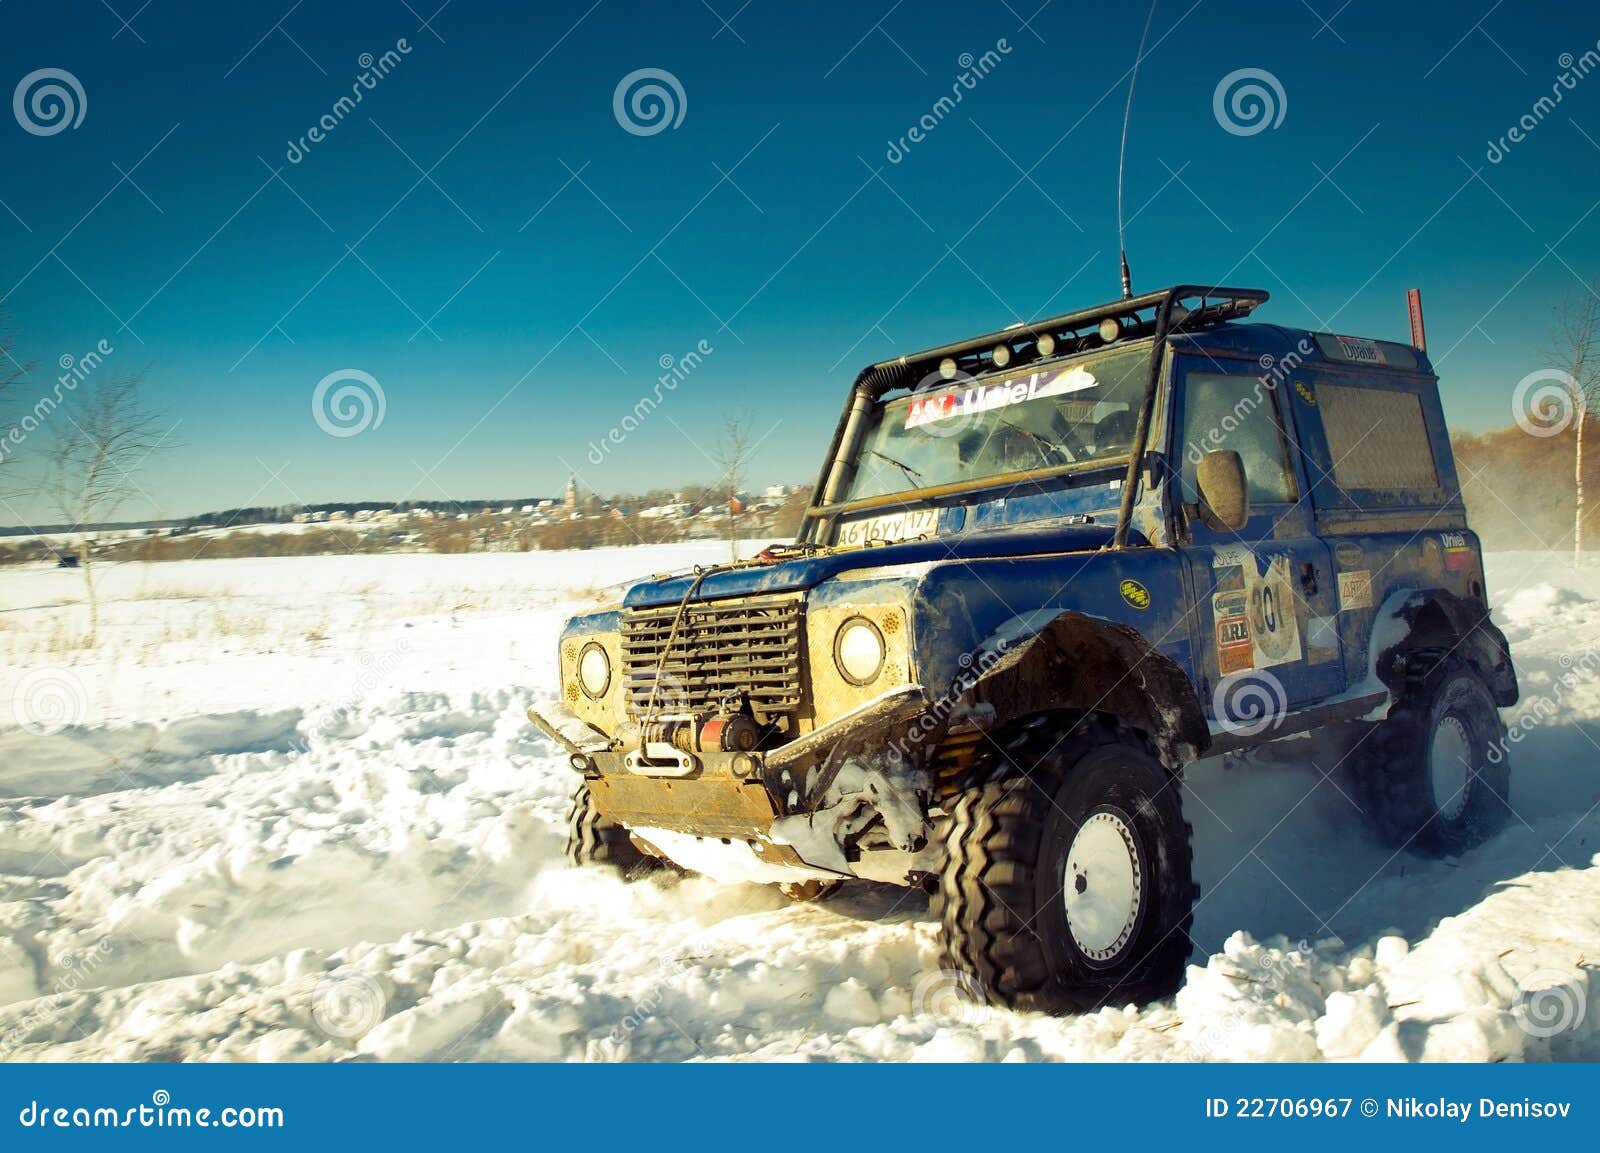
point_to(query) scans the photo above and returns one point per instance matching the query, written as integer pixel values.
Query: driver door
(1265, 615)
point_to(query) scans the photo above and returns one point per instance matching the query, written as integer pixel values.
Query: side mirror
(1224, 499)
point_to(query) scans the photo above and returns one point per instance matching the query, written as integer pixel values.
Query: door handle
(1308, 579)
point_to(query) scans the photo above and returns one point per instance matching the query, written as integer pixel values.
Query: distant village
(575, 520)
(576, 505)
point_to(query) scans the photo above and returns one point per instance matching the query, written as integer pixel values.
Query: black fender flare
(1439, 620)
(1088, 664)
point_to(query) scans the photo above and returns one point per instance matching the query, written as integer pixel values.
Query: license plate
(890, 527)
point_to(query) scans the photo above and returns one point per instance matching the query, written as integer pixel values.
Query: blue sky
(483, 237)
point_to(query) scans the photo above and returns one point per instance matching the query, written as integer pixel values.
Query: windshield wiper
(911, 474)
(1044, 445)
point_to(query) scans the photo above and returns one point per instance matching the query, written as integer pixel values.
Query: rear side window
(1377, 439)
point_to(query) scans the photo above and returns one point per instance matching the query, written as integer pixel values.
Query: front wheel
(1067, 885)
(592, 839)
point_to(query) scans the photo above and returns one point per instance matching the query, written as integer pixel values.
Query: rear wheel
(594, 840)
(1067, 885)
(1435, 774)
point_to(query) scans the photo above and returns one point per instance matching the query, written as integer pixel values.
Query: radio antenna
(1122, 153)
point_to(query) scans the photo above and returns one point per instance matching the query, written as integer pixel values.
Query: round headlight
(858, 651)
(594, 671)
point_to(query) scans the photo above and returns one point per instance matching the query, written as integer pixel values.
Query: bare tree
(12, 372)
(734, 447)
(96, 450)
(1575, 349)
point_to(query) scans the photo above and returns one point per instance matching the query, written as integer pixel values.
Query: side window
(1377, 439)
(1224, 411)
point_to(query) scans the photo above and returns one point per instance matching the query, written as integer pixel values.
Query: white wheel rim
(1102, 886)
(1450, 767)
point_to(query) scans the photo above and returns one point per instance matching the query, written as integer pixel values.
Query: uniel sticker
(1135, 594)
(1457, 552)
(971, 400)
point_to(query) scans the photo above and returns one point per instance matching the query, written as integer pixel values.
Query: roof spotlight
(1001, 355)
(947, 368)
(1046, 345)
(1110, 329)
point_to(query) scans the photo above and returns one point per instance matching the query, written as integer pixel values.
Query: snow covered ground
(290, 809)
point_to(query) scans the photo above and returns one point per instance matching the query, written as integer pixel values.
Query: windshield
(1057, 416)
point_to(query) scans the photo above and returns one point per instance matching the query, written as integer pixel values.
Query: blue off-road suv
(1041, 572)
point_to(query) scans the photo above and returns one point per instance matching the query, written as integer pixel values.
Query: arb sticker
(1233, 643)
(1355, 590)
(1135, 594)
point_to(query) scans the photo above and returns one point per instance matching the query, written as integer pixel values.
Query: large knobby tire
(594, 840)
(1434, 774)
(1067, 884)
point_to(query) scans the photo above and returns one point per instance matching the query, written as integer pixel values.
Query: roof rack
(1070, 333)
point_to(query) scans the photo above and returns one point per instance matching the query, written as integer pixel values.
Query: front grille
(724, 651)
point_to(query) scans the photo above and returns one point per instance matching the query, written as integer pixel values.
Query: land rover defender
(1041, 572)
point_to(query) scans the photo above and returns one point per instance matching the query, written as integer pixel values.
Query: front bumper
(728, 796)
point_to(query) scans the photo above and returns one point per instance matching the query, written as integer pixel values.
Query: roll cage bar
(1158, 314)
